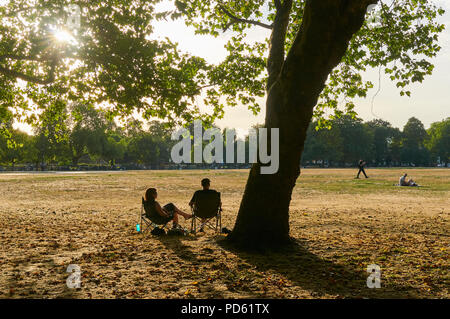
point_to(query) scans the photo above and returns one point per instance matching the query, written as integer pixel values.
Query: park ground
(340, 224)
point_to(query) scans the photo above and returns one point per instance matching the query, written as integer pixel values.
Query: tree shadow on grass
(320, 276)
(176, 245)
(194, 259)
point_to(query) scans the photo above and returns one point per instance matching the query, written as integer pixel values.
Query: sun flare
(63, 36)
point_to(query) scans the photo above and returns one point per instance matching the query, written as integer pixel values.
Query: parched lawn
(341, 225)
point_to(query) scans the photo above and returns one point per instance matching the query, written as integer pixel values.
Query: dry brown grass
(49, 221)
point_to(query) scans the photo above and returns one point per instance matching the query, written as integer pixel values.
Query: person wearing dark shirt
(206, 184)
(361, 165)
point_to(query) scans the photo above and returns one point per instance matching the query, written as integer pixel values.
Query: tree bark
(320, 44)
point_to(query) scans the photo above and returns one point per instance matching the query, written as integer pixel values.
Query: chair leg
(144, 226)
(140, 218)
(217, 224)
(192, 220)
(140, 224)
(193, 224)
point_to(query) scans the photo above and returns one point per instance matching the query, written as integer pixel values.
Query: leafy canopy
(110, 60)
(439, 139)
(113, 60)
(401, 42)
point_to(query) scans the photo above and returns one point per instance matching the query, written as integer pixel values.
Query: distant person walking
(361, 165)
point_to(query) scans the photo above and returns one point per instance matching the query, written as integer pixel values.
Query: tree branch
(316, 50)
(31, 78)
(277, 40)
(17, 10)
(235, 19)
(278, 4)
(22, 57)
(22, 9)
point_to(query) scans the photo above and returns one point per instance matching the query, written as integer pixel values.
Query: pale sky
(429, 101)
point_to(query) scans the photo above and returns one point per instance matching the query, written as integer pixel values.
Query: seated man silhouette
(206, 184)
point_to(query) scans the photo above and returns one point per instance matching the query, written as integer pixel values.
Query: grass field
(341, 226)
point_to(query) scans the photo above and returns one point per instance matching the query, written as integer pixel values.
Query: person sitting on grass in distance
(206, 184)
(404, 182)
(168, 212)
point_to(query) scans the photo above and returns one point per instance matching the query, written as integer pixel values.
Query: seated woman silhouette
(168, 212)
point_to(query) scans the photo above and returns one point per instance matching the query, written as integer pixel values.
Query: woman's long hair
(149, 195)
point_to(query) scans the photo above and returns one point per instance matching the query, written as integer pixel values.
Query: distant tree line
(83, 137)
(378, 143)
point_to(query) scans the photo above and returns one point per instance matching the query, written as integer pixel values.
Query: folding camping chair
(206, 207)
(149, 219)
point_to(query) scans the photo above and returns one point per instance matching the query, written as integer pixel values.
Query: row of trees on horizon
(84, 135)
(378, 143)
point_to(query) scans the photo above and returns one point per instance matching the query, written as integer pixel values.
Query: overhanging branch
(23, 57)
(31, 78)
(277, 40)
(235, 19)
(278, 4)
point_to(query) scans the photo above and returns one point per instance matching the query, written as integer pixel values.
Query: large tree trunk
(327, 28)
